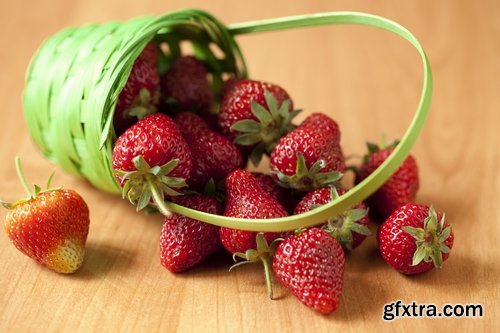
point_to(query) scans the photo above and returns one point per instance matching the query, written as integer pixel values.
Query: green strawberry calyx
(271, 124)
(263, 253)
(343, 225)
(142, 106)
(32, 193)
(310, 179)
(373, 147)
(430, 240)
(148, 183)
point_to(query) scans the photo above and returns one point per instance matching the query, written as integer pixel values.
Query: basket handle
(370, 184)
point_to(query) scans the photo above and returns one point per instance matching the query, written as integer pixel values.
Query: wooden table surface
(369, 81)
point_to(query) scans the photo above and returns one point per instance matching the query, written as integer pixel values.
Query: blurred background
(345, 64)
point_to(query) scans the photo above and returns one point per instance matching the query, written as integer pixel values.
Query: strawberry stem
(22, 177)
(49, 181)
(263, 253)
(267, 272)
(158, 198)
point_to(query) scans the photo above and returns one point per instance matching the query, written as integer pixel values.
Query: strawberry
(284, 196)
(415, 238)
(401, 187)
(184, 242)
(185, 86)
(152, 160)
(255, 115)
(228, 85)
(349, 228)
(310, 156)
(246, 199)
(141, 93)
(311, 266)
(213, 155)
(50, 226)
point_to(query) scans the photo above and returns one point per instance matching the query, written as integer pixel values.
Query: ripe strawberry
(141, 93)
(310, 156)
(280, 194)
(184, 242)
(311, 266)
(415, 239)
(401, 187)
(152, 160)
(228, 85)
(246, 199)
(349, 228)
(185, 86)
(213, 155)
(255, 115)
(50, 226)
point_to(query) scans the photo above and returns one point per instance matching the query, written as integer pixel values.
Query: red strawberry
(255, 115)
(246, 199)
(311, 266)
(213, 155)
(349, 228)
(401, 187)
(141, 93)
(50, 226)
(151, 160)
(310, 156)
(415, 239)
(280, 194)
(185, 86)
(184, 242)
(228, 85)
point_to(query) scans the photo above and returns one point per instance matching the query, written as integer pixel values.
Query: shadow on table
(101, 259)
(460, 272)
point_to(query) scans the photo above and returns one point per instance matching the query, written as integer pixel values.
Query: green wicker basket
(74, 79)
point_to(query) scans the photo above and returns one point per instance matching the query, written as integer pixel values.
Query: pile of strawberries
(180, 141)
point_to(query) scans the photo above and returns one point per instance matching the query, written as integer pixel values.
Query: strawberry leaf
(419, 256)
(360, 229)
(271, 122)
(429, 240)
(256, 154)
(357, 214)
(437, 258)
(444, 234)
(417, 233)
(306, 179)
(248, 139)
(444, 248)
(272, 104)
(247, 126)
(146, 183)
(263, 115)
(144, 200)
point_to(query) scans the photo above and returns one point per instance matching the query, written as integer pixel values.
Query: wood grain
(369, 81)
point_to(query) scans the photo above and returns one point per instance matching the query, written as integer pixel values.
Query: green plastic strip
(379, 176)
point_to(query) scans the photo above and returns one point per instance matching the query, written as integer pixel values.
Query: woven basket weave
(76, 76)
(74, 79)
